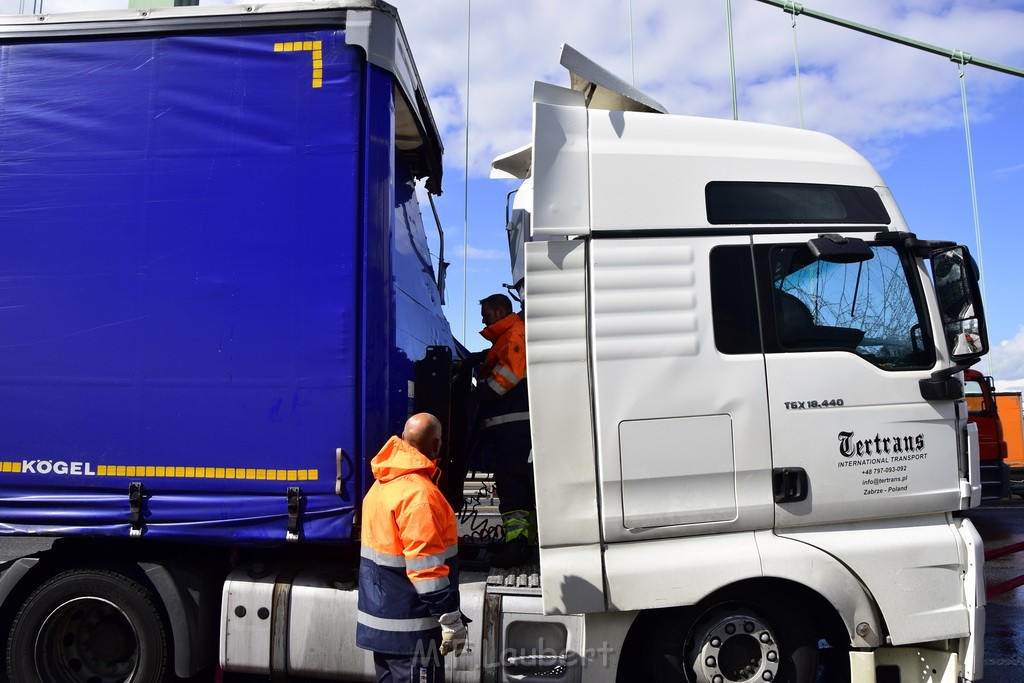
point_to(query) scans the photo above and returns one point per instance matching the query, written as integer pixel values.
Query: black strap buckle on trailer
(135, 492)
(294, 509)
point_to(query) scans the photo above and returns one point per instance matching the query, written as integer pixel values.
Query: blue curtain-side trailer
(215, 285)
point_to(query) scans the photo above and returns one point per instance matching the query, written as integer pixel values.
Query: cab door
(681, 424)
(845, 346)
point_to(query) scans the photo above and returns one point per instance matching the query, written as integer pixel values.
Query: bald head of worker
(423, 432)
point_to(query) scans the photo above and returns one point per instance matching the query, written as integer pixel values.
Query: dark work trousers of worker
(408, 668)
(508, 449)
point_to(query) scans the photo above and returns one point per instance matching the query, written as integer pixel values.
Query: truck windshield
(868, 308)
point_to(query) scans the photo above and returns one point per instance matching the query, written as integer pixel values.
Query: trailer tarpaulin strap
(135, 505)
(294, 510)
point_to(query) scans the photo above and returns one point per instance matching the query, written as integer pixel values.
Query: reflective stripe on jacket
(502, 378)
(408, 567)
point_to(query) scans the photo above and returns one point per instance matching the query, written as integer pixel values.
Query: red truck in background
(982, 411)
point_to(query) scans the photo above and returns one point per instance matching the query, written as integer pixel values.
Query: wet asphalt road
(1001, 525)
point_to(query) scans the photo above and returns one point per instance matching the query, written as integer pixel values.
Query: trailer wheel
(89, 626)
(738, 643)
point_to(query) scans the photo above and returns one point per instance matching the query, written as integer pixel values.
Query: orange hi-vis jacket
(503, 397)
(408, 569)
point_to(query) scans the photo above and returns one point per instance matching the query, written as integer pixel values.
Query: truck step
(526, 576)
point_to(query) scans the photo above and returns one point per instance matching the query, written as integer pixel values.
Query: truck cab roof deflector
(601, 90)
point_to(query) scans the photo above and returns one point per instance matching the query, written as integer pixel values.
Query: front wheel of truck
(739, 642)
(764, 631)
(89, 626)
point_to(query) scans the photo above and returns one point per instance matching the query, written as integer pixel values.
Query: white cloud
(868, 92)
(478, 254)
(877, 96)
(1008, 171)
(1006, 361)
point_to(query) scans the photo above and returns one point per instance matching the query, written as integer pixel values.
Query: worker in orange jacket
(504, 422)
(408, 570)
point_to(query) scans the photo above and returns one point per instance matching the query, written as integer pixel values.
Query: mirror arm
(925, 248)
(941, 375)
(941, 386)
(920, 248)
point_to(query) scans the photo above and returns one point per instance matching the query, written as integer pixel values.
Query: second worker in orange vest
(504, 420)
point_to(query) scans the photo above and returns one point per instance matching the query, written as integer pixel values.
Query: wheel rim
(736, 648)
(87, 640)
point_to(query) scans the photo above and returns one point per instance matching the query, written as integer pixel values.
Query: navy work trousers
(409, 668)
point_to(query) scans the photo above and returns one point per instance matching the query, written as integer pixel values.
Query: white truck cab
(749, 435)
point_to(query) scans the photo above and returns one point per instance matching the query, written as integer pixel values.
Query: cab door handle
(790, 484)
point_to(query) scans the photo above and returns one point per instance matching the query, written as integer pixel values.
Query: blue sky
(899, 107)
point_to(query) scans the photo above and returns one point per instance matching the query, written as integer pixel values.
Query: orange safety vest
(505, 364)
(503, 373)
(408, 568)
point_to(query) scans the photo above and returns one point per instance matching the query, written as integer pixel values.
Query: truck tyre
(741, 637)
(89, 626)
(740, 643)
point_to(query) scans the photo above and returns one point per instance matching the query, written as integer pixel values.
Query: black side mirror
(963, 320)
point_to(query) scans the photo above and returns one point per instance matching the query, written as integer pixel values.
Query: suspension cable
(970, 159)
(795, 9)
(732, 61)
(789, 6)
(961, 59)
(465, 186)
(632, 63)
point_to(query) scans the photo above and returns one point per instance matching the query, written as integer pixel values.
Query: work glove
(453, 633)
